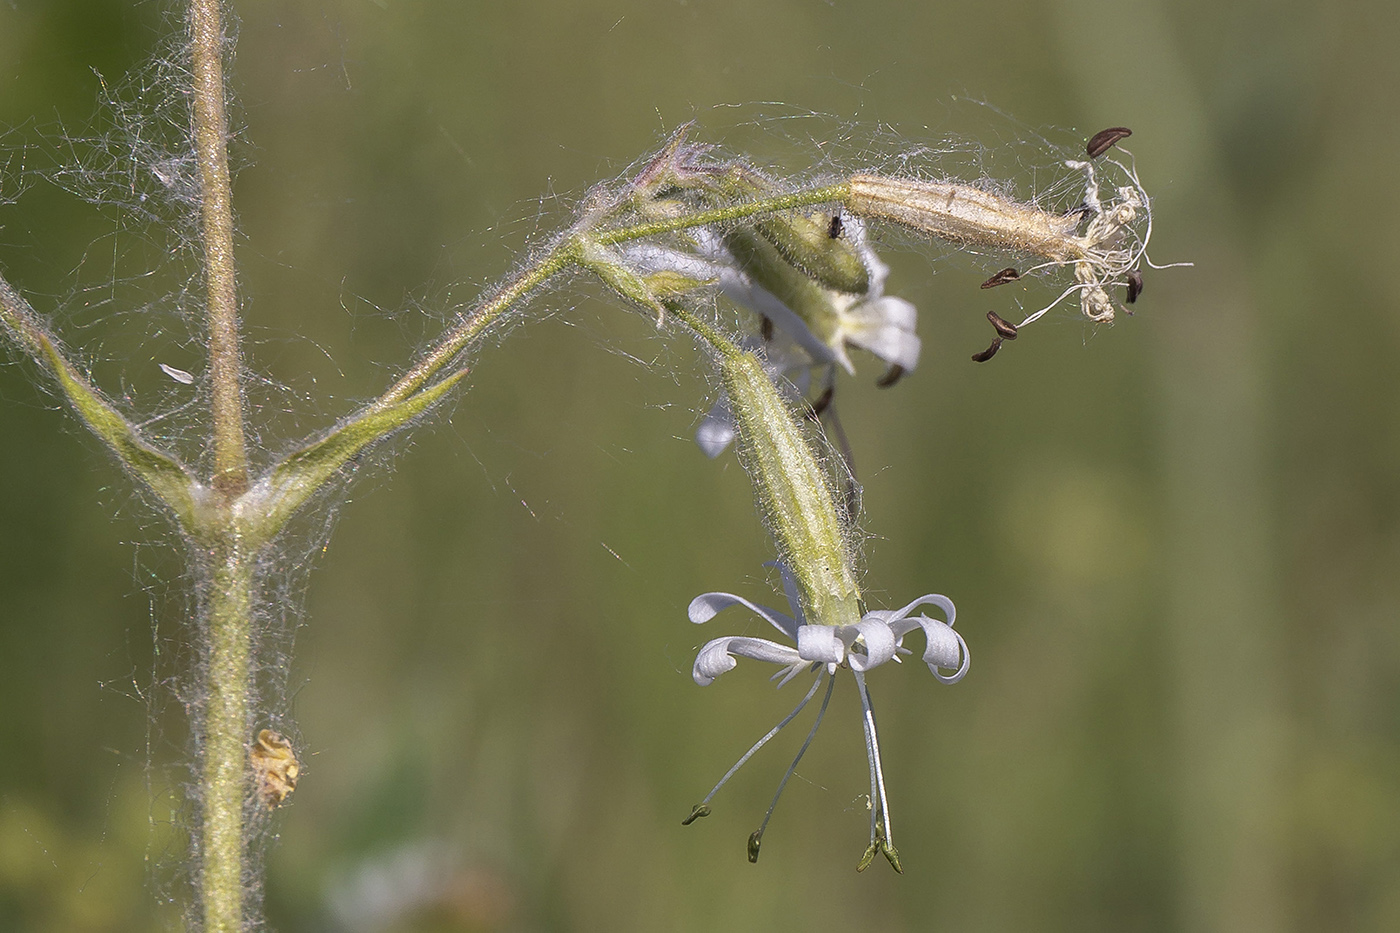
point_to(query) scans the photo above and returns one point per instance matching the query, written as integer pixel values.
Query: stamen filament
(756, 839)
(702, 808)
(883, 842)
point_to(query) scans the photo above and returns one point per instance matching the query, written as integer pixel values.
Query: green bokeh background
(1172, 541)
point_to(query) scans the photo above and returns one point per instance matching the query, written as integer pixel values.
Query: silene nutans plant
(774, 277)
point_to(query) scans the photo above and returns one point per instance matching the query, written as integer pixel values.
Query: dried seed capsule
(988, 353)
(891, 376)
(1134, 284)
(1105, 140)
(834, 231)
(1009, 274)
(1004, 327)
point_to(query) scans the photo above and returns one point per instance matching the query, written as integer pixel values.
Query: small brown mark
(891, 376)
(1004, 327)
(1105, 140)
(1134, 284)
(988, 353)
(766, 328)
(275, 767)
(834, 230)
(1009, 274)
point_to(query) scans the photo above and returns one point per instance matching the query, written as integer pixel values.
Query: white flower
(824, 649)
(817, 324)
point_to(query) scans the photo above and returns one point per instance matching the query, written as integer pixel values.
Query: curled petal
(704, 607)
(717, 657)
(945, 647)
(820, 643)
(879, 642)
(932, 599)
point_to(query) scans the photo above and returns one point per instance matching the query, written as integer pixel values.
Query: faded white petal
(716, 429)
(885, 327)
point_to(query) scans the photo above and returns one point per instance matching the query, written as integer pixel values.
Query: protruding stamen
(890, 377)
(880, 813)
(703, 805)
(757, 838)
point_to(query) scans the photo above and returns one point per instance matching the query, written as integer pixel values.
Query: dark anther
(754, 842)
(695, 814)
(1004, 328)
(766, 329)
(988, 353)
(1001, 278)
(1134, 284)
(890, 377)
(1105, 140)
(823, 402)
(834, 231)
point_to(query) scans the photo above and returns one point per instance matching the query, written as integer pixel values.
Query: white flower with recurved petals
(824, 649)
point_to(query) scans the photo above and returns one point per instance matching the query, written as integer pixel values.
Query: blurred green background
(1172, 541)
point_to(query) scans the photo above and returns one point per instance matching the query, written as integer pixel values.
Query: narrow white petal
(820, 643)
(879, 643)
(717, 657)
(945, 647)
(706, 606)
(932, 599)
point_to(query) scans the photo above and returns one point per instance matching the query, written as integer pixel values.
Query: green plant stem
(223, 772)
(226, 723)
(220, 271)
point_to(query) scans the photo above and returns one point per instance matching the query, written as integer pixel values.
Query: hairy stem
(565, 254)
(19, 317)
(223, 771)
(223, 774)
(211, 146)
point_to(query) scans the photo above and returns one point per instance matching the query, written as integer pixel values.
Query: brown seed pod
(1004, 327)
(1105, 140)
(1134, 285)
(834, 231)
(988, 353)
(275, 767)
(1008, 274)
(891, 376)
